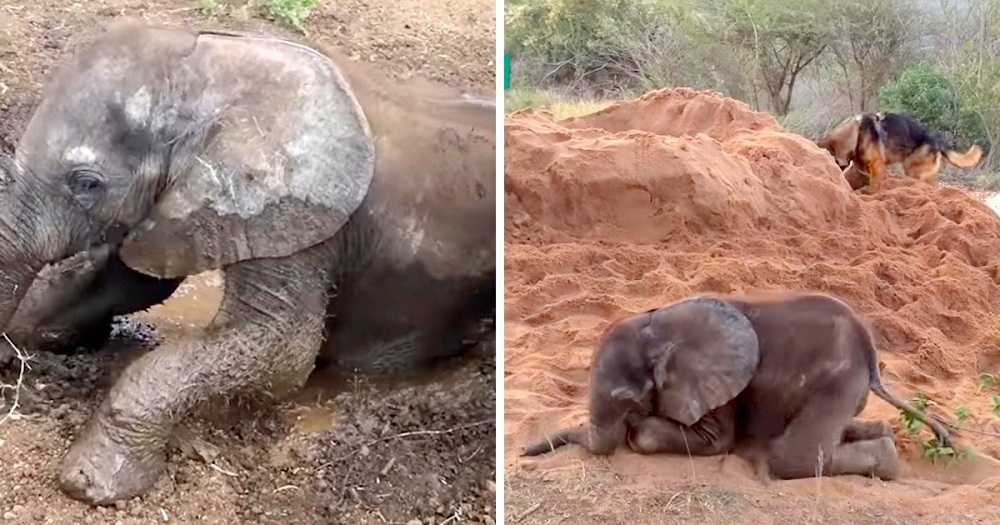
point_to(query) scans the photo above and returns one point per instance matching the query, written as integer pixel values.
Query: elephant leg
(713, 434)
(867, 457)
(858, 430)
(812, 438)
(263, 342)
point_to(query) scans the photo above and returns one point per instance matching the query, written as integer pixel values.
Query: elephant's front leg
(713, 434)
(263, 341)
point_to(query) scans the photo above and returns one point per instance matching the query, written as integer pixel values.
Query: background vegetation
(810, 62)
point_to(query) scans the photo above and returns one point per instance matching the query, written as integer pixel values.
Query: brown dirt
(339, 452)
(682, 192)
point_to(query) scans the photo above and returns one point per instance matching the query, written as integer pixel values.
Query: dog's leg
(923, 165)
(876, 173)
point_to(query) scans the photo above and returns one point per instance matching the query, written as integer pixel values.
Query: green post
(506, 71)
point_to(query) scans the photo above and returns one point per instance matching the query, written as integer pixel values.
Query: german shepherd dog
(870, 142)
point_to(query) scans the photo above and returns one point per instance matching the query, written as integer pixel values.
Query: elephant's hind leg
(812, 442)
(263, 342)
(858, 430)
(868, 457)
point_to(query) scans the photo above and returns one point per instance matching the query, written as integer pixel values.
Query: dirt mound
(681, 192)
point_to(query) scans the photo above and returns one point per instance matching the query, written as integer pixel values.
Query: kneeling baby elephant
(784, 374)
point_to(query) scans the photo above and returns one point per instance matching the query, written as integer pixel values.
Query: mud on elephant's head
(193, 150)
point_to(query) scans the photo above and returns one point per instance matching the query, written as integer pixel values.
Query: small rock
(413, 522)
(492, 487)
(9, 516)
(120, 505)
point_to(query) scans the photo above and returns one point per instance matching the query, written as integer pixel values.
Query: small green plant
(987, 380)
(292, 12)
(995, 401)
(962, 413)
(934, 451)
(209, 7)
(910, 421)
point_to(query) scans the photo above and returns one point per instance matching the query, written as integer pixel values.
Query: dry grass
(15, 403)
(561, 106)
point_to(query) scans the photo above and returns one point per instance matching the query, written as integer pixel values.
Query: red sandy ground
(681, 192)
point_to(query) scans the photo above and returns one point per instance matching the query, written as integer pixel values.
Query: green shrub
(209, 7)
(931, 98)
(926, 94)
(292, 12)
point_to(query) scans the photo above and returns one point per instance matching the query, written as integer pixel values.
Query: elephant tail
(565, 436)
(876, 386)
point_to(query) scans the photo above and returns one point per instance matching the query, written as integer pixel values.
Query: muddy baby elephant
(350, 215)
(784, 375)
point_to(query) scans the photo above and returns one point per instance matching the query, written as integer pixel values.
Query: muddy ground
(345, 450)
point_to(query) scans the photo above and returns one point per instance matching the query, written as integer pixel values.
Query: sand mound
(683, 191)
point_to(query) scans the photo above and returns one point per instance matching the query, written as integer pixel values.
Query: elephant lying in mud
(782, 374)
(347, 215)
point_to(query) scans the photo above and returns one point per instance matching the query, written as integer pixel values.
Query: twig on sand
(974, 431)
(528, 512)
(433, 432)
(819, 482)
(407, 434)
(223, 471)
(23, 358)
(388, 466)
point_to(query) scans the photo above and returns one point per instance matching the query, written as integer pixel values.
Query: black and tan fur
(868, 143)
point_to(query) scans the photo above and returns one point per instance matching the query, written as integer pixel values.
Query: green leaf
(962, 413)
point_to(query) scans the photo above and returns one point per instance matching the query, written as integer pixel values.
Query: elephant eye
(85, 182)
(86, 186)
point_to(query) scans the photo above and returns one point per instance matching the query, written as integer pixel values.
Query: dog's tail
(876, 386)
(964, 160)
(565, 436)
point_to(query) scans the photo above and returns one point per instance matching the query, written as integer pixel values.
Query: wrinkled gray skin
(72, 302)
(346, 213)
(783, 375)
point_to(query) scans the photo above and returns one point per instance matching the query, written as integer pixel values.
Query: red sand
(681, 192)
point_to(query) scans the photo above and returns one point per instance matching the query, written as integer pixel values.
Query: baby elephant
(782, 374)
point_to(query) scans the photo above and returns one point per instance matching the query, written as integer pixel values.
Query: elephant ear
(704, 353)
(269, 154)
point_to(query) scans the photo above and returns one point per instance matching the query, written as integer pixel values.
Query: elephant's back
(809, 347)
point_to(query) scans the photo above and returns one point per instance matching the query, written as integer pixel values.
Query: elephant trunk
(25, 229)
(600, 441)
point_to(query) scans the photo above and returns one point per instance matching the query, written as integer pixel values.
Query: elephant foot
(100, 470)
(871, 457)
(886, 459)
